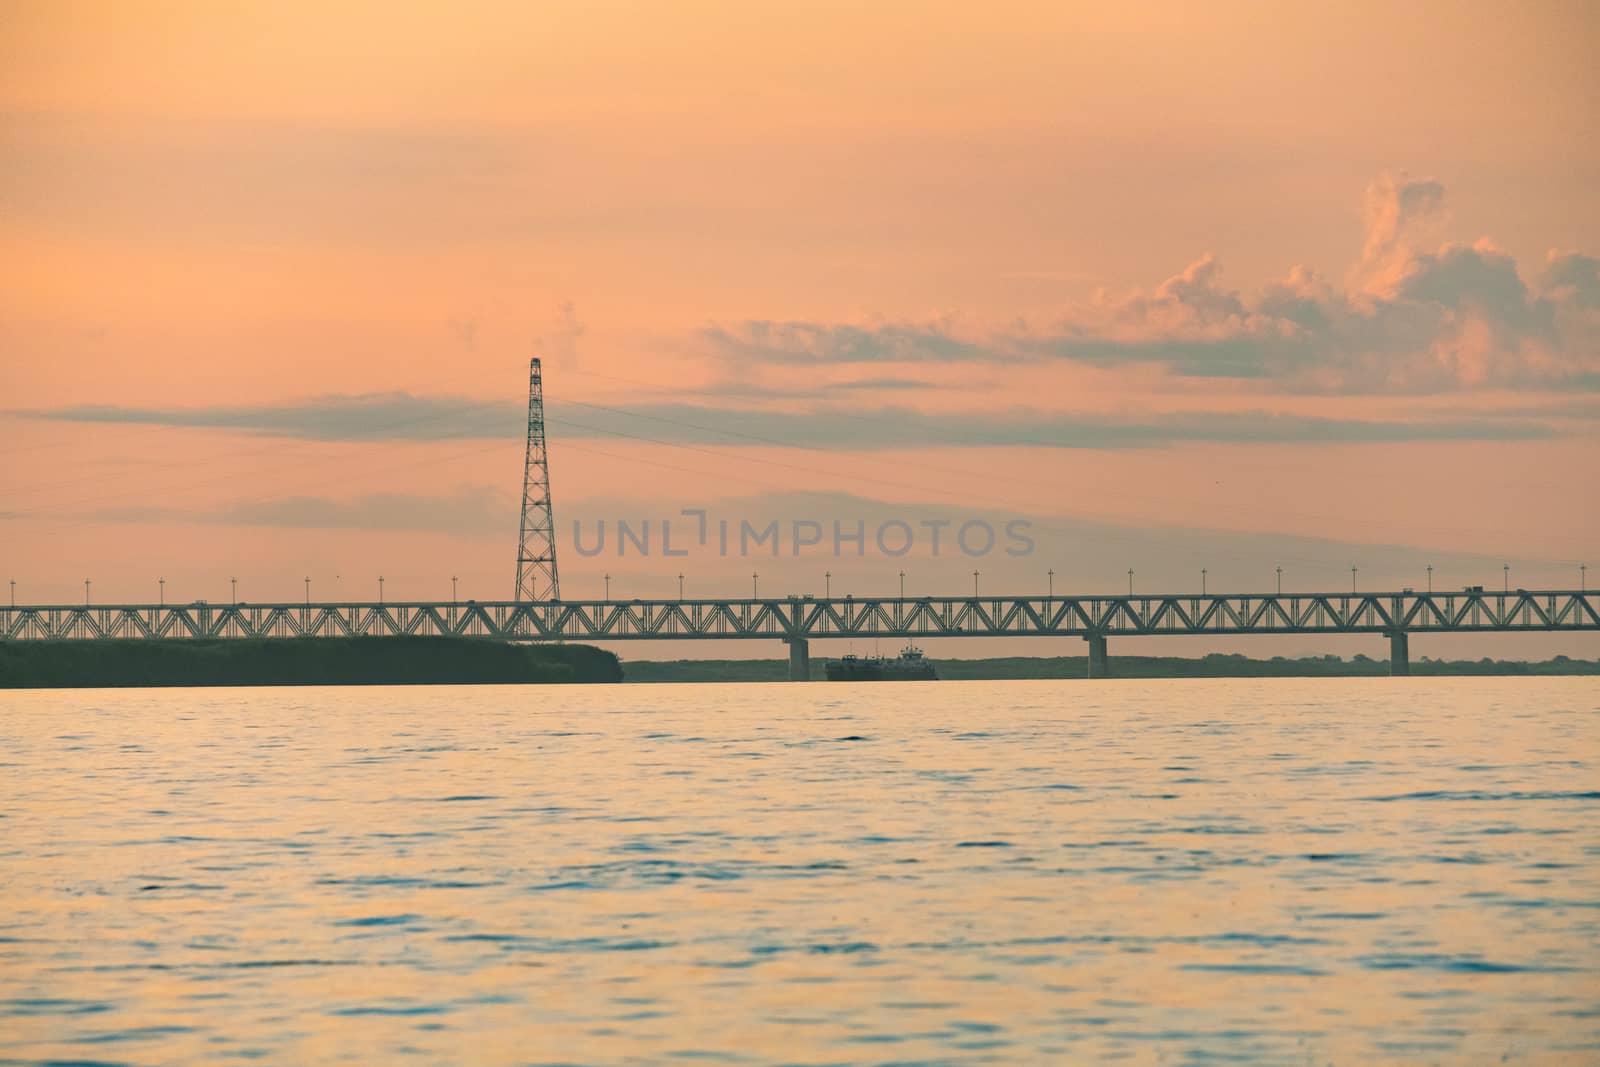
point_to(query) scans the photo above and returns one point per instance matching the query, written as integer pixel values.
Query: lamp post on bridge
(1050, 579)
(13, 592)
(86, 592)
(234, 582)
(608, 586)
(1352, 579)
(827, 585)
(308, 590)
(162, 596)
(452, 589)
(974, 583)
(680, 585)
(1280, 581)
(1130, 581)
(902, 585)
(1430, 579)
(755, 585)
(1505, 577)
(1583, 582)
(380, 590)
(1202, 582)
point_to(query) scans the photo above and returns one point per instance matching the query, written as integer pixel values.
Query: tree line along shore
(1216, 665)
(298, 661)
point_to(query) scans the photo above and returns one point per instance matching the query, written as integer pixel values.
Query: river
(1283, 871)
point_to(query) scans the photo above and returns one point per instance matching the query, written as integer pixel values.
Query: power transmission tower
(536, 548)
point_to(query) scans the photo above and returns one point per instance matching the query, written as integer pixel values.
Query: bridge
(795, 620)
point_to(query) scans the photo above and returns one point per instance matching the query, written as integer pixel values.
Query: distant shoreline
(298, 661)
(1216, 665)
(366, 661)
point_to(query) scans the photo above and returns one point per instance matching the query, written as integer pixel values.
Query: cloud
(1394, 207)
(879, 385)
(404, 417)
(898, 427)
(1099, 546)
(474, 511)
(804, 343)
(471, 511)
(821, 390)
(1409, 321)
(367, 417)
(1573, 279)
(559, 345)
(1169, 555)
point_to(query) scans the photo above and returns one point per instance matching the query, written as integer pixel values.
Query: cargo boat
(909, 666)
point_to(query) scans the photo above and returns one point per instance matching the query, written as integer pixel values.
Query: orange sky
(974, 238)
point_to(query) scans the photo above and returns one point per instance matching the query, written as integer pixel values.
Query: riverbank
(298, 661)
(1072, 667)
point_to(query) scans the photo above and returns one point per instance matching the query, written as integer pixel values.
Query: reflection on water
(1283, 871)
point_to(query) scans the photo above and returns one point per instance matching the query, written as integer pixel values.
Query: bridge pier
(1399, 654)
(799, 659)
(1097, 654)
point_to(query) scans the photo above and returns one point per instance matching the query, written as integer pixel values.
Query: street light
(680, 585)
(1280, 581)
(13, 592)
(1202, 582)
(1505, 576)
(452, 589)
(162, 582)
(1352, 579)
(608, 586)
(1050, 578)
(308, 590)
(1430, 579)
(1130, 581)
(235, 583)
(974, 583)
(827, 585)
(86, 592)
(902, 585)
(380, 590)
(755, 586)
(1583, 582)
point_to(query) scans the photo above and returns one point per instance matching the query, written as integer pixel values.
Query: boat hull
(885, 671)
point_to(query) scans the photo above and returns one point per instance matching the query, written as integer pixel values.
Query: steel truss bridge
(795, 620)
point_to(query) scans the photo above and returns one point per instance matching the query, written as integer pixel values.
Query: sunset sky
(1233, 286)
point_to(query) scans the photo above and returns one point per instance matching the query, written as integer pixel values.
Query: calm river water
(1334, 871)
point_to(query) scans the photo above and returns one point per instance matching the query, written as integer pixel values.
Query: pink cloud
(1409, 320)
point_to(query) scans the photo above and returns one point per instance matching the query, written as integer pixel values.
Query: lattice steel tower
(536, 548)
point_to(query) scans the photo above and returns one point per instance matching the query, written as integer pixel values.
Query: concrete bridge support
(1097, 655)
(1399, 653)
(799, 659)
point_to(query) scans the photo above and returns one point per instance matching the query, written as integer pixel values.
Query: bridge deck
(808, 617)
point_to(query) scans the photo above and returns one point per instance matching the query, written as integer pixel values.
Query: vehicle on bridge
(909, 666)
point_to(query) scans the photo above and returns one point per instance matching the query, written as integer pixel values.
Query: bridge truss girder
(807, 617)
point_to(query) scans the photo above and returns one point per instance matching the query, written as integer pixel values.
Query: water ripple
(1273, 871)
